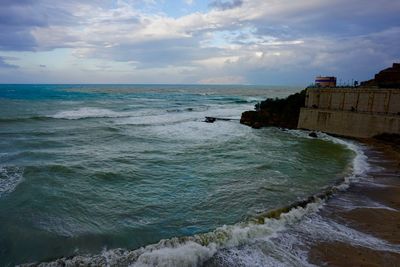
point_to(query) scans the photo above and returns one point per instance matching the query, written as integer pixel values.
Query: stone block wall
(385, 101)
(354, 112)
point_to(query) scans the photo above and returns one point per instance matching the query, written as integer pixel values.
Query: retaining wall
(352, 112)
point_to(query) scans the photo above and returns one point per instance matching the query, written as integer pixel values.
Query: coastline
(369, 207)
(358, 210)
(375, 211)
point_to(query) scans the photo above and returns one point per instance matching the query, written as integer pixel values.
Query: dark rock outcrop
(276, 112)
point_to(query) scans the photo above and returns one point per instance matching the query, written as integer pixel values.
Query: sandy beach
(372, 207)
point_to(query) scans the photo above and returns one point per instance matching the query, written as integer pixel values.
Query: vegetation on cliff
(276, 112)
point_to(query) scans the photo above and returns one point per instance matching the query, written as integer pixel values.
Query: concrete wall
(385, 101)
(348, 123)
(352, 112)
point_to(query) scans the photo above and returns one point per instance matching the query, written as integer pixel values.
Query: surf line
(213, 119)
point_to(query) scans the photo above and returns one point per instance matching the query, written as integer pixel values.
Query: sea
(131, 175)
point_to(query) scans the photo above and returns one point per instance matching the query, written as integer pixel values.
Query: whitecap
(359, 167)
(194, 250)
(198, 249)
(10, 177)
(88, 112)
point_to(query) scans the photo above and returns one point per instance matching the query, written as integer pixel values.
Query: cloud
(223, 80)
(5, 65)
(224, 5)
(238, 38)
(19, 18)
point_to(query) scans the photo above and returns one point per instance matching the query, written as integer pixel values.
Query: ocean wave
(23, 119)
(10, 177)
(326, 229)
(359, 166)
(197, 250)
(249, 100)
(191, 250)
(196, 109)
(140, 117)
(178, 117)
(75, 114)
(133, 117)
(89, 112)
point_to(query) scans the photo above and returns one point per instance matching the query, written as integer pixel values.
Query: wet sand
(341, 254)
(381, 220)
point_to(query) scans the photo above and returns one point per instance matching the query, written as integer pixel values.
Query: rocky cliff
(276, 112)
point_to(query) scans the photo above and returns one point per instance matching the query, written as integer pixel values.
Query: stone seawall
(360, 112)
(347, 123)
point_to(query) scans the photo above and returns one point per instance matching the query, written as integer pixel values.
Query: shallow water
(89, 167)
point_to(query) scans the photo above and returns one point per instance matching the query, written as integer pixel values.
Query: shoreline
(380, 220)
(319, 251)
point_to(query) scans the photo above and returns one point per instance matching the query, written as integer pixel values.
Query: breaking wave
(76, 114)
(192, 250)
(359, 166)
(10, 177)
(210, 248)
(88, 112)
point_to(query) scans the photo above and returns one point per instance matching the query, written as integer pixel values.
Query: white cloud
(189, 2)
(252, 36)
(223, 80)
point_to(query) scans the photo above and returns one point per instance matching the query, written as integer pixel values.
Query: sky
(271, 42)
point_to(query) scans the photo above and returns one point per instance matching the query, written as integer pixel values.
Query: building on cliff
(325, 81)
(387, 78)
(369, 110)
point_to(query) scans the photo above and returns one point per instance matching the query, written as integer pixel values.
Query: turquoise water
(85, 168)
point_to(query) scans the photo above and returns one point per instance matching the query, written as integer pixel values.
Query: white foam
(359, 166)
(290, 247)
(271, 253)
(88, 112)
(157, 119)
(173, 118)
(188, 254)
(232, 236)
(349, 202)
(10, 177)
(360, 163)
(196, 250)
(325, 229)
(254, 99)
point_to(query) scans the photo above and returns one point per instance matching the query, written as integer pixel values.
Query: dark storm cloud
(333, 18)
(18, 18)
(224, 5)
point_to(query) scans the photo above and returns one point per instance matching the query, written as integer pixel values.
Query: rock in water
(210, 119)
(256, 125)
